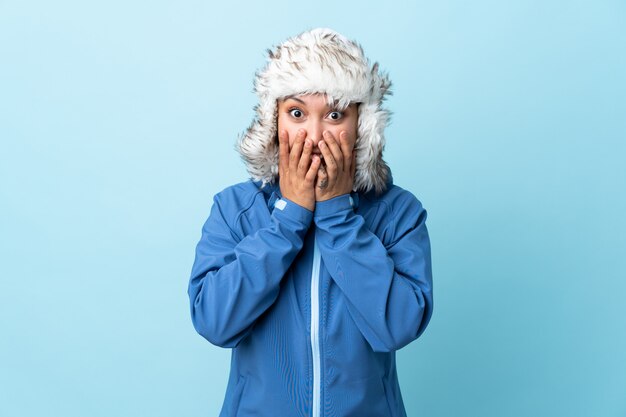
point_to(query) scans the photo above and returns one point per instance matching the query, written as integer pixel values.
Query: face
(312, 113)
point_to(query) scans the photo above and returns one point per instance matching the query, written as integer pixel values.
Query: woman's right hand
(297, 169)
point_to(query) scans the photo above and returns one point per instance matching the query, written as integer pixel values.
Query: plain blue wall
(117, 126)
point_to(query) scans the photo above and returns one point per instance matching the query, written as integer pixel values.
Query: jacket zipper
(315, 347)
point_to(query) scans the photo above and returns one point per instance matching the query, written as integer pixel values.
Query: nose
(315, 130)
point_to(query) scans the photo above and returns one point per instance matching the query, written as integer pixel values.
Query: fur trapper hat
(320, 61)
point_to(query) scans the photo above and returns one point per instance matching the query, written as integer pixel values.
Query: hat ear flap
(258, 146)
(371, 170)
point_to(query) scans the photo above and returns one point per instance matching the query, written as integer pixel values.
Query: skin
(316, 144)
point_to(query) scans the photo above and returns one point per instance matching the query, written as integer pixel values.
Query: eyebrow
(293, 97)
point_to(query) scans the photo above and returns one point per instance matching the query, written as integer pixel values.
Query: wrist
(304, 203)
(319, 197)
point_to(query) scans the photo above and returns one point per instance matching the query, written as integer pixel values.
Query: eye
(295, 112)
(335, 115)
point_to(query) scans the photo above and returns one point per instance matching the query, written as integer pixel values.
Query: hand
(337, 178)
(297, 170)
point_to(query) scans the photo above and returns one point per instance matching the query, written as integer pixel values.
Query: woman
(317, 269)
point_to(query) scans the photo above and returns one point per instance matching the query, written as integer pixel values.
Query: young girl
(317, 269)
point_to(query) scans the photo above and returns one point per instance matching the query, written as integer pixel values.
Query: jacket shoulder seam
(248, 205)
(244, 207)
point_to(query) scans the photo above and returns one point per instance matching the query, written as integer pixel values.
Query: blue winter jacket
(313, 304)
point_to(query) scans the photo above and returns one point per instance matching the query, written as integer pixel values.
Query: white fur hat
(320, 61)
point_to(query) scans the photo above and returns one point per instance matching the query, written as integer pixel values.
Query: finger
(283, 148)
(322, 177)
(313, 169)
(353, 169)
(296, 150)
(346, 151)
(305, 159)
(333, 145)
(331, 165)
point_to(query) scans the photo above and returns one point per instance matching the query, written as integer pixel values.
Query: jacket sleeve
(388, 287)
(234, 280)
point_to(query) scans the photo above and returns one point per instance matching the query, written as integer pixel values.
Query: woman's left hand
(336, 176)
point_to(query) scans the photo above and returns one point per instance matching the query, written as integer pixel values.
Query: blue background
(117, 126)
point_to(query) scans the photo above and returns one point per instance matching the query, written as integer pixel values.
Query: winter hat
(320, 61)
